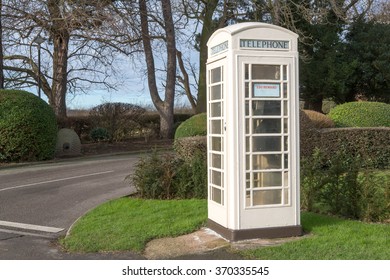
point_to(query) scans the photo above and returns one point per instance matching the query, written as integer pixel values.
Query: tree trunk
(60, 35)
(166, 123)
(207, 31)
(60, 74)
(164, 108)
(1, 48)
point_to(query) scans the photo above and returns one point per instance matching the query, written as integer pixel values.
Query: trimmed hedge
(309, 135)
(28, 127)
(194, 126)
(361, 114)
(371, 144)
(189, 147)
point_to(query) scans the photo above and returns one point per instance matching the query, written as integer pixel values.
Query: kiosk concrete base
(243, 234)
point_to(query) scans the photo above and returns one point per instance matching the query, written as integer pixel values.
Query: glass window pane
(267, 197)
(215, 92)
(248, 180)
(247, 144)
(216, 75)
(285, 178)
(247, 124)
(216, 178)
(246, 71)
(285, 108)
(266, 108)
(266, 144)
(248, 198)
(285, 125)
(216, 161)
(267, 179)
(286, 196)
(267, 126)
(286, 161)
(285, 143)
(246, 108)
(246, 90)
(285, 72)
(285, 90)
(266, 162)
(265, 72)
(216, 126)
(216, 143)
(215, 110)
(216, 195)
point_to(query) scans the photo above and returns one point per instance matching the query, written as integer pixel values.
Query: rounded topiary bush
(28, 127)
(361, 114)
(194, 126)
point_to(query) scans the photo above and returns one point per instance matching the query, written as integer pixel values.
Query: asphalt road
(38, 203)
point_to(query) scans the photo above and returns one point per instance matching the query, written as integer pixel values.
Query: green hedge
(167, 176)
(309, 135)
(361, 114)
(371, 144)
(194, 126)
(28, 127)
(334, 183)
(189, 147)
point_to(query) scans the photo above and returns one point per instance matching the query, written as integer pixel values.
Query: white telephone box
(253, 141)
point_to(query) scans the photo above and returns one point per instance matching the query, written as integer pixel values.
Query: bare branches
(185, 81)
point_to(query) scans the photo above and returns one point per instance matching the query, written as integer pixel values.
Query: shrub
(370, 144)
(361, 114)
(319, 120)
(312, 180)
(194, 126)
(375, 193)
(338, 186)
(309, 135)
(120, 119)
(28, 128)
(191, 178)
(82, 125)
(340, 192)
(188, 147)
(99, 134)
(168, 177)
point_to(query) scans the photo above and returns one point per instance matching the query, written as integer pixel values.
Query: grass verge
(129, 223)
(331, 239)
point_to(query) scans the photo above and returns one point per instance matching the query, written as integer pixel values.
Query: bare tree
(64, 23)
(1, 47)
(184, 81)
(164, 107)
(211, 15)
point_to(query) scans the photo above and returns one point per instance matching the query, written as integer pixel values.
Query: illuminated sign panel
(266, 90)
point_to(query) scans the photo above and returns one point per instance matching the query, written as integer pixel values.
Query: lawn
(129, 223)
(331, 238)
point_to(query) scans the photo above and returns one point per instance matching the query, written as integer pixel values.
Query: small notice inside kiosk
(253, 141)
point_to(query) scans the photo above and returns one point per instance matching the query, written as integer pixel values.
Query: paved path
(39, 202)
